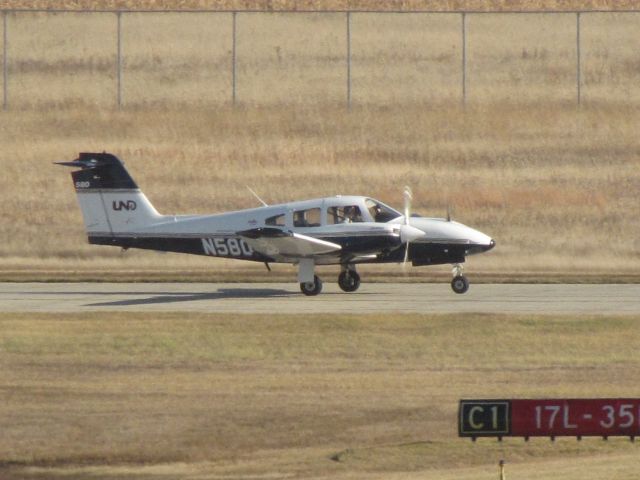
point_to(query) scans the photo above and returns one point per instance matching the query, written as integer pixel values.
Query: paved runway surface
(286, 298)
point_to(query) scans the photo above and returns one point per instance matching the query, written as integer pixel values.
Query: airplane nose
(483, 247)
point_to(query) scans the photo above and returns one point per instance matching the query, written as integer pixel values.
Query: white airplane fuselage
(365, 241)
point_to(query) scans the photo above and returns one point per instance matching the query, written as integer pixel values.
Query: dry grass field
(208, 396)
(556, 185)
(567, 204)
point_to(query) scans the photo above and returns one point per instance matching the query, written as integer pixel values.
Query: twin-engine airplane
(344, 230)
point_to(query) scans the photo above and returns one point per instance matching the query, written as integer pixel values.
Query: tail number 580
(226, 247)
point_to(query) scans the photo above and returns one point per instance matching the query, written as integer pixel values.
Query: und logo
(128, 205)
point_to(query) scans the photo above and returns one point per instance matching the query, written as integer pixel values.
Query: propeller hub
(410, 233)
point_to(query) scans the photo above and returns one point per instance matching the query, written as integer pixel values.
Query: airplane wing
(273, 242)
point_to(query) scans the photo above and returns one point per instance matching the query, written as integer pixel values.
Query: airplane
(339, 230)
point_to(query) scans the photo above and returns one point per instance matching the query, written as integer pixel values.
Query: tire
(460, 284)
(349, 280)
(311, 288)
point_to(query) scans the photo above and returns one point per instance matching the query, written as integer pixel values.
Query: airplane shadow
(164, 297)
(174, 297)
(221, 294)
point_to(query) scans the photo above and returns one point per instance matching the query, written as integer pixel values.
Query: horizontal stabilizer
(72, 164)
(273, 241)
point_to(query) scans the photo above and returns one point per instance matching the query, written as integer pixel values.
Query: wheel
(460, 284)
(349, 280)
(311, 288)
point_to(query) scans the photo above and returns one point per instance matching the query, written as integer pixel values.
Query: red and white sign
(602, 417)
(575, 417)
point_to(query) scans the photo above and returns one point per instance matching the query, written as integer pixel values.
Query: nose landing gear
(460, 283)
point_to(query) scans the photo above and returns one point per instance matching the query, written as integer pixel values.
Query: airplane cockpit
(334, 211)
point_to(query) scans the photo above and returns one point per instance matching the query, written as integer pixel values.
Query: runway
(286, 298)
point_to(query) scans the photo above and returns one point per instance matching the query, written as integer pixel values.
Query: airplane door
(288, 218)
(323, 213)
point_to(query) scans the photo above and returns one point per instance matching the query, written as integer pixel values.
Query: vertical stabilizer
(110, 199)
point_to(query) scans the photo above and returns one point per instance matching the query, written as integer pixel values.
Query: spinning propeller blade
(408, 196)
(408, 233)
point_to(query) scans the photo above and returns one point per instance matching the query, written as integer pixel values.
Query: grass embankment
(562, 205)
(169, 395)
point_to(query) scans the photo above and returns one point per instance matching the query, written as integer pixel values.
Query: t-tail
(110, 199)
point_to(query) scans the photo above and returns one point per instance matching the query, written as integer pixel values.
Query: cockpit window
(276, 221)
(380, 212)
(307, 218)
(346, 214)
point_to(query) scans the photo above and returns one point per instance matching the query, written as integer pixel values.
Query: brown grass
(170, 396)
(554, 184)
(566, 203)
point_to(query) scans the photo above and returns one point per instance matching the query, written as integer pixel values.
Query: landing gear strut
(311, 288)
(349, 280)
(459, 284)
(310, 284)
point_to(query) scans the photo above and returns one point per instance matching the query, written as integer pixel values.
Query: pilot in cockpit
(352, 214)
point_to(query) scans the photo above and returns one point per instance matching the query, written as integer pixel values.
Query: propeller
(408, 196)
(408, 233)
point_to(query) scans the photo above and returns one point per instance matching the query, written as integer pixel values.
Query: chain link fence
(131, 58)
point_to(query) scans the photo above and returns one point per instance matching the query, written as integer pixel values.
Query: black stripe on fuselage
(225, 247)
(234, 247)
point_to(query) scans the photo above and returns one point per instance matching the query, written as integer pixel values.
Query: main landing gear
(459, 284)
(311, 288)
(311, 285)
(349, 280)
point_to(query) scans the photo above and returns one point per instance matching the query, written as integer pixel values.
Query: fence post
(578, 72)
(464, 58)
(5, 62)
(349, 60)
(233, 58)
(119, 60)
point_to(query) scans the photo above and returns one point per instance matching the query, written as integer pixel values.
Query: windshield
(380, 212)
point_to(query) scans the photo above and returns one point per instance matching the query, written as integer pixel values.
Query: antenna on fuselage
(257, 196)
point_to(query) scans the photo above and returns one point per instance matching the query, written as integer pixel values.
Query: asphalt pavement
(286, 298)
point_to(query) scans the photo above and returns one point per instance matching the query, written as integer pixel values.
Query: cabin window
(307, 218)
(346, 214)
(276, 221)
